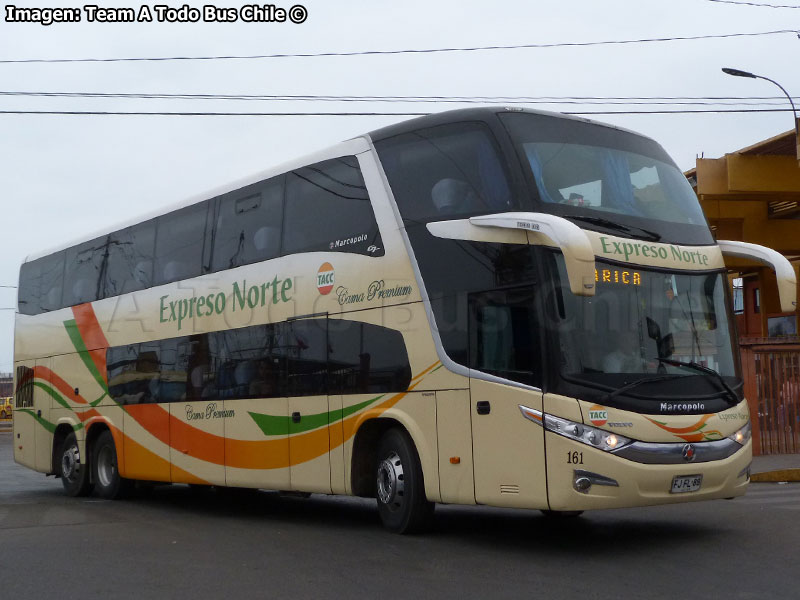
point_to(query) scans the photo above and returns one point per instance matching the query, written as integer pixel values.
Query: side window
(85, 264)
(52, 280)
(248, 225)
(251, 364)
(503, 335)
(29, 295)
(327, 209)
(180, 244)
(130, 259)
(133, 373)
(365, 358)
(307, 356)
(24, 389)
(445, 172)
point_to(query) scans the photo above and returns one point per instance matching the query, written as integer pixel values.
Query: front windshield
(587, 171)
(639, 316)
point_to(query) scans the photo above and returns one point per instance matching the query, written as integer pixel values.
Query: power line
(363, 114)
(755, 4)
(697, 100)
(8, 286)
(405, 51)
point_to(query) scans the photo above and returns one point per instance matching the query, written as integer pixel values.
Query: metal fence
(771, 369)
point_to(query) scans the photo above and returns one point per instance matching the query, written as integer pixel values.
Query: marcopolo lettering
(630, 250)
(682, 406)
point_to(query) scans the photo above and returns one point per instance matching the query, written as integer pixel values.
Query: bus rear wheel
(107, 480)
(400, 488)
(74, 475)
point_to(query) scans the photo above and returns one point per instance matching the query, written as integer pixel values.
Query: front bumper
(638, 483)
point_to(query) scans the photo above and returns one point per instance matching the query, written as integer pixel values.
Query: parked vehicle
(5, 408)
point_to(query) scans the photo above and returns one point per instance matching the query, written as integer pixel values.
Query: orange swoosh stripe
(92, 335)
(679, 430)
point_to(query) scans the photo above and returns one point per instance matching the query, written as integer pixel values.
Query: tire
(400, 489)
(105, 474)
(74, 475)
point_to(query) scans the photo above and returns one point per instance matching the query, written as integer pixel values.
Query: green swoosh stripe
(77, 341)
(51, 427)
(279, 425)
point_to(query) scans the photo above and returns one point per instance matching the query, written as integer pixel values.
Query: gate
(771, 369)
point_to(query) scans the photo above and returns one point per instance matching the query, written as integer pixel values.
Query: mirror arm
(784, 272)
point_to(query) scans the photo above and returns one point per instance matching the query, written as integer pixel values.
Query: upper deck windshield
(586, 170)
(600, 177)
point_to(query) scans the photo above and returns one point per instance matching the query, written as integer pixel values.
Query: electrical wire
(697, 100)
(405, 51)
(755, 4)
(363, 114)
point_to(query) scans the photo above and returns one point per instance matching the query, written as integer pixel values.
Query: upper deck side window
(327, 208)
(320, 207)
(446, 172)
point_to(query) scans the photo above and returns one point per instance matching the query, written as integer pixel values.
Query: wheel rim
(105, 466)
(71, 463)
(391, 484)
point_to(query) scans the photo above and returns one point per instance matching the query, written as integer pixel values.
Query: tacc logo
(598, 415)
(326, 276)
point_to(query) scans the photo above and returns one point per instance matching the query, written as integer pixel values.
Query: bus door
(32, 438)
(508, 449)
(309, 437)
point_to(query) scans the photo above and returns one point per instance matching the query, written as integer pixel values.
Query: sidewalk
(777, 467)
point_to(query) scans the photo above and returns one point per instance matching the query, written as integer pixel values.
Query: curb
(792, 475)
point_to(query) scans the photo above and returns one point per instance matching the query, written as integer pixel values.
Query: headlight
(741, 436)
(591, 436)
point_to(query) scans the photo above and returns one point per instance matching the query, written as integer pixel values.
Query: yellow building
(753, 195)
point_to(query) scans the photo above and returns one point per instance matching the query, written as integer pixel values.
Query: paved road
(177, 543)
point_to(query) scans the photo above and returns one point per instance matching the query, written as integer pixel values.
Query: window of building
(738, 296)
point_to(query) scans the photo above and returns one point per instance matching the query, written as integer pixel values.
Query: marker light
(743, 435)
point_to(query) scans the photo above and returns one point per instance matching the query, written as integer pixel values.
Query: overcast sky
(63, 177)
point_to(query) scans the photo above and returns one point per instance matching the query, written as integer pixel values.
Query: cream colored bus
(491, 306)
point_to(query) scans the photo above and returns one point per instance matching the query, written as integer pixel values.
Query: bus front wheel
(74, 475)
(107, 480)
(400, 488)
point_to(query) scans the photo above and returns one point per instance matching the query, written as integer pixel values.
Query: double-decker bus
(488, 306)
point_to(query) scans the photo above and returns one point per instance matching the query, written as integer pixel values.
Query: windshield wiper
(702, 369)
(633, 384)
(652, 235)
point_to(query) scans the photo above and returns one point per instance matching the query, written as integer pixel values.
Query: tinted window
(503, 336)
(40, 284)
(130, 259)
(445, 172)
(365, 358)
(180, 244)
(307, 353)
(252, 362)
(85, 266)
(297, 358)
(328, 209)
(248, 225)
